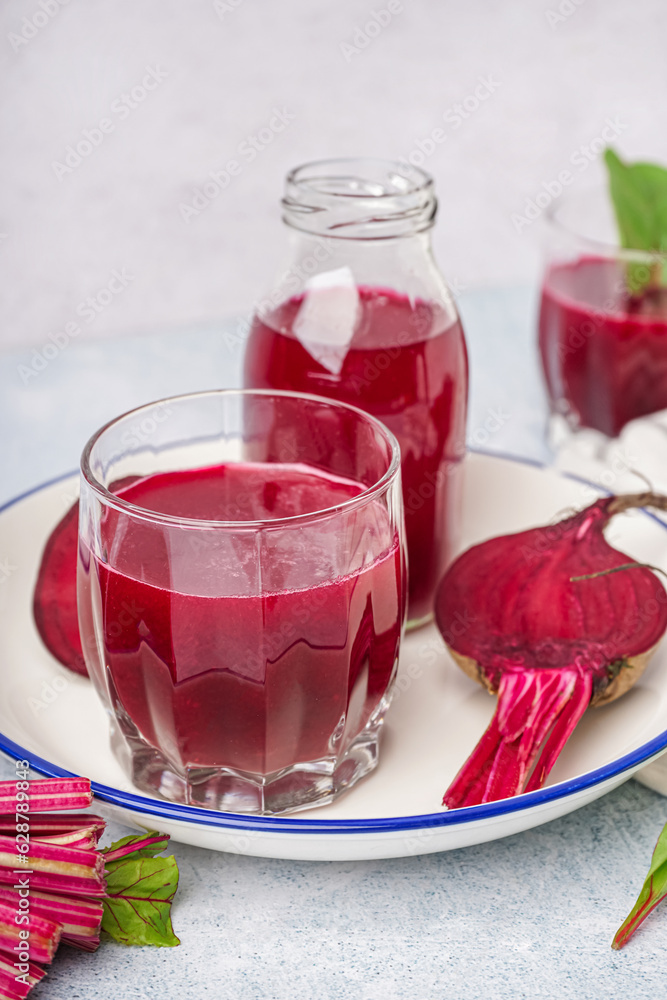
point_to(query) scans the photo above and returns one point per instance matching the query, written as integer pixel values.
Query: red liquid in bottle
(250, 681)
(604, 352)
(406, 364)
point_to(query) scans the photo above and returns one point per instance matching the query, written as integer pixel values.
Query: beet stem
(617, 569)
(562, 730)
(537, 711)
(631, 501)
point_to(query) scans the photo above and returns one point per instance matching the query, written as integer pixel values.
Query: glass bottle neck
(359, 199)
(360, 224)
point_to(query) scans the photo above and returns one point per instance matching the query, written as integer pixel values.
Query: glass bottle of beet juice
(362, 314)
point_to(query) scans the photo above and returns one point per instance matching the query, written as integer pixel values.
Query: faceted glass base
(301, 786)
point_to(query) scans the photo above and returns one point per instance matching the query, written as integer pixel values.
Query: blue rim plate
(500, 476)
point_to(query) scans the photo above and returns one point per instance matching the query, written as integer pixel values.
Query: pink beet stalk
(85, 837)
(66, 870)
(551, 620)
(46, 794)
(52, 882)
(44, 934)
(53, 825)
(15, 984)
(80, 919)
(84, 942)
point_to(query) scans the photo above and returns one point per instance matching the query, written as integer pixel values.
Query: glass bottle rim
(137, 511)
(421, 180)
(599, 247)
(393, 198)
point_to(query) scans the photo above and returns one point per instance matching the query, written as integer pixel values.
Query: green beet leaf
(639, 195)
(653, 892)
(140, 890)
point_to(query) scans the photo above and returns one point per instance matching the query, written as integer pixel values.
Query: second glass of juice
(241, 593)
(361, 313)
(603, 321)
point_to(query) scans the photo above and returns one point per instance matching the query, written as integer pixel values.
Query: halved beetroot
(54, 602)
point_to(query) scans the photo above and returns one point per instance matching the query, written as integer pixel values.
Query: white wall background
(560, 69)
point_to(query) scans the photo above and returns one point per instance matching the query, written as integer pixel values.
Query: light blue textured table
(528, 917)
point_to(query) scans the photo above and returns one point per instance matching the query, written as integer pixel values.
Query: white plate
(54, 719)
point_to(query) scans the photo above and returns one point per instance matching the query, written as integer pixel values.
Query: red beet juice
(604, 352)
(288, 665)
(406, 364)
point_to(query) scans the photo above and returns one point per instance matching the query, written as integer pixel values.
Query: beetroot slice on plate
(551, 619)
(54, 601)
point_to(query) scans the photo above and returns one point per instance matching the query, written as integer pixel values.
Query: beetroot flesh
(54, 601)
(549, 645)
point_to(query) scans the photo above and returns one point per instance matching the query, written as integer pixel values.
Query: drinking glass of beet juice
(361, 313)
(603, 320)
(242, 591)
